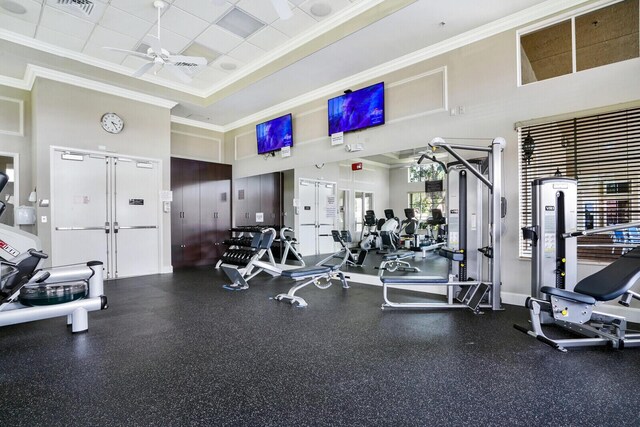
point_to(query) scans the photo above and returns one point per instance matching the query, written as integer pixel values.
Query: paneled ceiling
(323, 43)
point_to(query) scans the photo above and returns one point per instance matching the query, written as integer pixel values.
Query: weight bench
(311, 274)
(321, 271)
(573, 310)
(470, 295)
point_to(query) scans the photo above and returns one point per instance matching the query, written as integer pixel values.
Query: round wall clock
(112, 123)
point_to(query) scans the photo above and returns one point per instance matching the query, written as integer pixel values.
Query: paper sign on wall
(337, 138)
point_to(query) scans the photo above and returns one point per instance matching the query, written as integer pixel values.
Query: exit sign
(356, 166)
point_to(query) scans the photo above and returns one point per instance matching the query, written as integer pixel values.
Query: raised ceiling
(324, 44)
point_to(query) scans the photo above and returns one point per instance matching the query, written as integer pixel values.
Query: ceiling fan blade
(192, 61)
(176, 71)
(283, 9)
(128, 52)
(154, 42)
(146, 67)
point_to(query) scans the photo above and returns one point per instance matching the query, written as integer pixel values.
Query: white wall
(69, 116)
(482, 78)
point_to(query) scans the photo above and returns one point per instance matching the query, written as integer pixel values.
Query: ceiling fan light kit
(160, 58)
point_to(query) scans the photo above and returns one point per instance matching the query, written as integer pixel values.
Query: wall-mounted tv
(360, 109)
(274, 134)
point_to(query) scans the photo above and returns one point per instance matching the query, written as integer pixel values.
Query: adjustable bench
(311, 274)
(321, 271)
(573, 310)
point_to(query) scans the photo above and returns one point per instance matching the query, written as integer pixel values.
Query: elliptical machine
(370, 237)
(389, 232)
(28, 294)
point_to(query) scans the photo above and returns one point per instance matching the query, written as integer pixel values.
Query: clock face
(112, 123)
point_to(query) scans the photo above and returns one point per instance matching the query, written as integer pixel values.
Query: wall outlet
(43, 219)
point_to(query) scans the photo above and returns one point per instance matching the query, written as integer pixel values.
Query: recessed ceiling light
(229, 66)
(13, 7)
(240, 23)
(320, 9)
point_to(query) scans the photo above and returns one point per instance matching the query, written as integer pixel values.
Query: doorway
(10, 195)
(318, 209)
(105, 208)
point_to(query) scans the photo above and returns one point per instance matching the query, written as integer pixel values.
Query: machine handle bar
(601, 229)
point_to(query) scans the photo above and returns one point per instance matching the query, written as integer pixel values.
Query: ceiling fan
(281, 7)
(161, 58)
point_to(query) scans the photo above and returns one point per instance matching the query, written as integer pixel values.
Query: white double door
(105, 208)
(317, 211)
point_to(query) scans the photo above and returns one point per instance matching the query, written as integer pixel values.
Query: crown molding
(197, 124)
(325, 26)
(524, 17)
(89, 60)
(510, 22)
(34, 72)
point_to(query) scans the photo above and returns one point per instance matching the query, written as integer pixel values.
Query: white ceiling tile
(205, 9)
(143, 9)
(212, 74)
(59, 39)
(105, 37)
(95, 15)
(173, 42)
(261, 9)
(183, 23)
(125, 23)
(62, 22)
(268, 38)
(133, 62)
(10, 23)
(31, 15)
(97, 51)
(246, 52)
(219, 39)
(298, 23)
(335, 5)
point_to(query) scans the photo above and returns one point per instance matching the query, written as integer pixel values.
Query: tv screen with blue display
(274, 134)
(360, 109)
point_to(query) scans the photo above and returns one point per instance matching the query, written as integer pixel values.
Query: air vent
(240, 23)
(143, 48)
(84, 6)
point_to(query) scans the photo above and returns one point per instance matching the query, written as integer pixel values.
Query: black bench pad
(573, 296)
(311, 270)
(613, 280)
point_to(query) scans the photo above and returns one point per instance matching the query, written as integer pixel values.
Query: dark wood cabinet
(201, 211)
(258, 194)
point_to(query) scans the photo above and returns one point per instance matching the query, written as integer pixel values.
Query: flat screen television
(360, 109)
(274, 134)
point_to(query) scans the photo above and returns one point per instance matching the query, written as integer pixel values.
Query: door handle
(116, 227)
(106, 227)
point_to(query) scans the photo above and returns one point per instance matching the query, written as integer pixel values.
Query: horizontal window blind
(603, 153)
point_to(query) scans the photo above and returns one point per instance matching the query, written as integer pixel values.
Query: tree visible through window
(422, 201)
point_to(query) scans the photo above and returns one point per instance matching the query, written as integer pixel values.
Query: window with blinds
(603, 153)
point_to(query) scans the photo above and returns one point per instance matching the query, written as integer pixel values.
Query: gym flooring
(178, 349)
